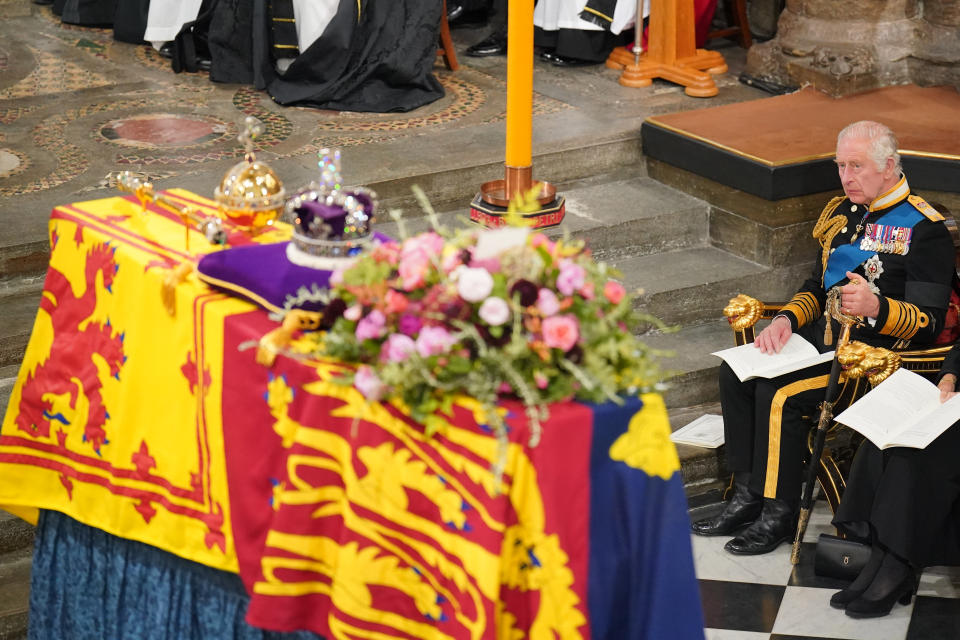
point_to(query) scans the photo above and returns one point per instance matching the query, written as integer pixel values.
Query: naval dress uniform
(910, 497)
(901, 246)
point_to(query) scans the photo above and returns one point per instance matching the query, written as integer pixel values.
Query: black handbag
(839, 558)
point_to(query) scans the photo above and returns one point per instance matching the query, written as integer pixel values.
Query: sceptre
(847, 322)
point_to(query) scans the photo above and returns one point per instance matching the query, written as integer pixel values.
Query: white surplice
(312, 17)
(551, 15)
(165, 18)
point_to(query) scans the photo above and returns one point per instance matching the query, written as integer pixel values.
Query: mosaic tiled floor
(765, 597)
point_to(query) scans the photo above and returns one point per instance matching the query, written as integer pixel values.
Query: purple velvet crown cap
(310, 213)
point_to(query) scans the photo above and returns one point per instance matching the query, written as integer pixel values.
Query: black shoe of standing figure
(777, 524)
(493, 45)
(742, 509)
(565, 61)
(166, 50)
(454, 11)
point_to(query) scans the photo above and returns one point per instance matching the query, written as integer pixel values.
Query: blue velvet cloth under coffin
(263, 273)
(89, 585)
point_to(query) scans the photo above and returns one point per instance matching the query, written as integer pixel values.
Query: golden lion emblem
(859, 360)
(743, 312)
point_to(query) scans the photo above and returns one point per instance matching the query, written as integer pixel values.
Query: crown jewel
(328, 220)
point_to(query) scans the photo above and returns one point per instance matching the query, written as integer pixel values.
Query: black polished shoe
(777, 524)
(902, 593)
(166, 50)
(742, 509)
(204, 64)
(565, 61)
(454, 11)
(493, 45)
(467, 19)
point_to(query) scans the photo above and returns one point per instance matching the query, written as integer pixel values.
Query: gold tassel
(828, 331)
(272, 343)
(168, 290)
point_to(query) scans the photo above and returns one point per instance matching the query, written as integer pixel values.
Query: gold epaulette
(924, 207)
(824, 223)
(827, 227)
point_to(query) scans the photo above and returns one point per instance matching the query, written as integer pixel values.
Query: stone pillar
(848, 46)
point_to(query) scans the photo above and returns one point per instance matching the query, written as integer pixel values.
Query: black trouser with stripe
(766, 422)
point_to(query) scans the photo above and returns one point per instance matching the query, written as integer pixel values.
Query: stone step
(15, 534)
(690, 286)
(18, 312)
(14, 593)
(691, 370)
(8, 376)
(703, 469)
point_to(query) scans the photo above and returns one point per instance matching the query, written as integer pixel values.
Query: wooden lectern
(671, 52)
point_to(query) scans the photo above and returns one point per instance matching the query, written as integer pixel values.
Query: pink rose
(494, 311)
(571, 277)
(353, 313)
(372, 326)
(413, 269)
(433, 341)
(560, 332)
(396, 302)
(368, 384)
(547, 302)
(614, 291)
(397, 348)
(474, 284)
(429, 243)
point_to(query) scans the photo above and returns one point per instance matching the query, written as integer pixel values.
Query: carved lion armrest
(744, 312)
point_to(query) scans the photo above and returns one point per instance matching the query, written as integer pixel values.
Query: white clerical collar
(896, 193)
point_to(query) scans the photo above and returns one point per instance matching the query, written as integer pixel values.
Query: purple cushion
(263, 274)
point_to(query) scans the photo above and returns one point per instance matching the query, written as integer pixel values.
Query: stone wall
(847, 46)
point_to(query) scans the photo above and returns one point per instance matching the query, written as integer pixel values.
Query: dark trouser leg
(782, 408)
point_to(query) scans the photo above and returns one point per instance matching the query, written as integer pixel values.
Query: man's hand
(772, 339)
(947, 386)
(857, 299)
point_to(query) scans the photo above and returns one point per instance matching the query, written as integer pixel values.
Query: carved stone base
(847, 47)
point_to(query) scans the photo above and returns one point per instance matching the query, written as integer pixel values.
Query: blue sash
(848, 257)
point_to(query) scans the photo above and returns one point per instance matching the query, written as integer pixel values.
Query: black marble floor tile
(935, 619)
(780, 636)
(740, 605)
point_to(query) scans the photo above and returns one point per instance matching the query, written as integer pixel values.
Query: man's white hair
(883, 142)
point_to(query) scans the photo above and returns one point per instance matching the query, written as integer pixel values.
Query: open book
(747, 361)
(902, 411)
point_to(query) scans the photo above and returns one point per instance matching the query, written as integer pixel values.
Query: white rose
(474, 284)
(494, 311)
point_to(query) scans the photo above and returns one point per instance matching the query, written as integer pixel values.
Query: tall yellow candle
(519, 83)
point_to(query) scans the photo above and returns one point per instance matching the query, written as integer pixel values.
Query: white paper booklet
(705, 431)
(902, 411)
(747, 361)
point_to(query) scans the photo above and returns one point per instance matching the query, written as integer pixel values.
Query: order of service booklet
(902, 411)
(747, 361)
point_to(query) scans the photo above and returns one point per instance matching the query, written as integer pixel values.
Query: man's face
(861, 179)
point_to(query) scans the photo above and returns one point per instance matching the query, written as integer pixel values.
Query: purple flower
(494, 311)
(397, 348)
(571, 277)
(331, 312)
(371, 326)
(367, 383)
(526, 290)
(410, 324)
(547, 302)
(433, 341)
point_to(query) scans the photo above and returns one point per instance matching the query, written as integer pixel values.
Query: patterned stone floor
(76, 106)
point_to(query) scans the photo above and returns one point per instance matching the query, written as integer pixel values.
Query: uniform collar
(892, 196)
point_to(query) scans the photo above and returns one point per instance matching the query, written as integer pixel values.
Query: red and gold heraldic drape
(115, 415)
(352, 523)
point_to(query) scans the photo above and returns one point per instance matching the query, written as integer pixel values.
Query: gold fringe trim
(168, 289)
(826, 229)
